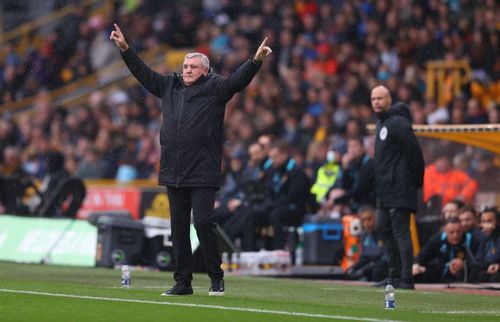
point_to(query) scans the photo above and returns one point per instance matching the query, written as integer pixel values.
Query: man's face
(367, 221)
(467, 220)
(381, 100)
(488, 222)
(192, 69)
(277, 157)
(256, 153)
(265, 141)
(454, 233)
(450, 210)
(443, 164)
(355, 149)
(236, 164)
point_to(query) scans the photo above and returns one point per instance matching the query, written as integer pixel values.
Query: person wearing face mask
(191, 139)
(325, 177)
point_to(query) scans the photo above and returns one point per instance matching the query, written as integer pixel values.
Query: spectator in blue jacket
(372, 264)
(446, 257)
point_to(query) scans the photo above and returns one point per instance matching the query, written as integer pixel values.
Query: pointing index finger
(263, 43)
(117, 28)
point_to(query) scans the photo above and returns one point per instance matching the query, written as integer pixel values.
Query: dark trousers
(281, 217)
(393, 225)
(243, 224)
(201, 201)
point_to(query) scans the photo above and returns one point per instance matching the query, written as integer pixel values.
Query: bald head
(381, 99)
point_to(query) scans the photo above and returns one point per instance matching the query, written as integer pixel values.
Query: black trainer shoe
(217, 288)
(404, 284)
(179, 289)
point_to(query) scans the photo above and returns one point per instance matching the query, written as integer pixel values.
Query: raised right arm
(154, 82)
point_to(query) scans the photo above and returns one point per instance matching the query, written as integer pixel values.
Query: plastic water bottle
(299, 255)
(125, 276)
(390, 302)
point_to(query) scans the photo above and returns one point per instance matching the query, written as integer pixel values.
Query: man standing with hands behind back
(399, 173)
(191, 138)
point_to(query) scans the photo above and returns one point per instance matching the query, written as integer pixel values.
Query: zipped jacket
(192, 132)
(398, 161)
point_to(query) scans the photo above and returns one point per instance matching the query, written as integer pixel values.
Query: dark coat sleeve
(228, 86)
(412, 150)
(154, 82)
(416, 159)
(429, 251)
(480, 257)
(364, 185)
(299, 189)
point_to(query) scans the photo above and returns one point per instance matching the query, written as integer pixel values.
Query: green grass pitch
(55, 293)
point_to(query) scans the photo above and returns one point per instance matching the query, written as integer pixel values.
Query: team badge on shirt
(383, 133)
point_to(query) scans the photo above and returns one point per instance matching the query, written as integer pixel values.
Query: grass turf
(308, 300)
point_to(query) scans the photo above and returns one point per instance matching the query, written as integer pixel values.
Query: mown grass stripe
(193, 305)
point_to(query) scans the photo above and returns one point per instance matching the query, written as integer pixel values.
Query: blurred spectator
(485, 172)
(355, 184)
(51, 183)
(446, 257)
(372, 264)
(91, 166)
(451, 209)
(13, 182)
(12, 164)
(442, 180)
(56, 173)
(290, 192)
(326, 176)
(251, 202)
(475, 114)
(488, 254)
(231, 194)
(468, 219)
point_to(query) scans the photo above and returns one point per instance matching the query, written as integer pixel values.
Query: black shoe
(217, 288)
(179, 289)
(403, 284)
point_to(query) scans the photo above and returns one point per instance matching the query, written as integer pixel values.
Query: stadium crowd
(299, 126)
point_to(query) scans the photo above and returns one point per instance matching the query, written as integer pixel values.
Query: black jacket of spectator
(488, 251)
(290, 187)
(437, 253)
(398, 162)
(192, 132)
(358, 182)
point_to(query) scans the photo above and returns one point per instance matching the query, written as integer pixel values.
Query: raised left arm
(240, 79)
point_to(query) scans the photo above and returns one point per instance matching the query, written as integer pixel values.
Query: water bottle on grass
(125, 276)
(390, 303)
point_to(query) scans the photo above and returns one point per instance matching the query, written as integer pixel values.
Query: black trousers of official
(393, 225)
(201, 200)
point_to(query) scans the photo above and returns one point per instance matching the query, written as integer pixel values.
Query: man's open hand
(117, 37)
(262, 52)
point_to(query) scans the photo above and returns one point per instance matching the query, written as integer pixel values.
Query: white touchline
(462, 312)
(205, 306)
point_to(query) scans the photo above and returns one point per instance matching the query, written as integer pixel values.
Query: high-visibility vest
(325, 179)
